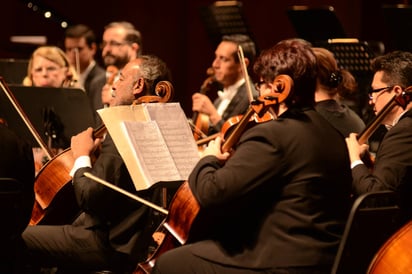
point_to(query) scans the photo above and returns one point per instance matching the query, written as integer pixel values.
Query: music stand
(398, 21)
(224, 18)
(315, 24)
(68, 110)
(13, 70)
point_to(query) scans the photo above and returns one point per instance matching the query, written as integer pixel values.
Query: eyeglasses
(112, 44)
(370, 93)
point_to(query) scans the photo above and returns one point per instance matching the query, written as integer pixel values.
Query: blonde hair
(55, 55)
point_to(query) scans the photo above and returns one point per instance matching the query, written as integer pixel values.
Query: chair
(374, 217)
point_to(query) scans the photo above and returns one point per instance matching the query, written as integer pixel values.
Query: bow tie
(224, 95)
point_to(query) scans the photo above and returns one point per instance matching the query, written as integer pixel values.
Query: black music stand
(63, 111)
(13, 70)
(315, 24)
(355, 56)
(398, 21)
(224, 18)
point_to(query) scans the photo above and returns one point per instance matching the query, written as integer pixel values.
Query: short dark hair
(396, 67)
(248, 46)
(80, 30)
(293, 57)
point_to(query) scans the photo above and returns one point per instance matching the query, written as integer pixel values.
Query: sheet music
(151, 150)
(154, 140)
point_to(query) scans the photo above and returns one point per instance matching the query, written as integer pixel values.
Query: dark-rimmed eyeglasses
(370, 93)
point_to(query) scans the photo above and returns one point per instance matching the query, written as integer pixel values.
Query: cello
(43, 190)
(394, 256)
(55, 202)
(184, 208)
(53, 181)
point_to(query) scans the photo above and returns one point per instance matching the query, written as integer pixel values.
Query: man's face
(227, 70)
(380, 95)
(127, 86)
(79, 53)
(115, 50)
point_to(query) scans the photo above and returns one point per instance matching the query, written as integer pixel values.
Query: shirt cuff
(82, 161)
(355, 163)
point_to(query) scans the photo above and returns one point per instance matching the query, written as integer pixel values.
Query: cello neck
(402, 100)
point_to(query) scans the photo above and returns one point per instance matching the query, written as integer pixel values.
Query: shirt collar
(229, 92)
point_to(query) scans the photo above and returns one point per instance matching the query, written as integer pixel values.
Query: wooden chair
(374, 217)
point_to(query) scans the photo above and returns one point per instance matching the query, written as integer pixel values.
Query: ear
(247, 62)
(398, 89)
(138, 86)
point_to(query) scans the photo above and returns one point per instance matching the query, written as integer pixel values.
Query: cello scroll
(164, 93)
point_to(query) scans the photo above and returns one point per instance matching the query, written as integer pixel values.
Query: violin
(200, 121)
(107, 92)
(184, 207)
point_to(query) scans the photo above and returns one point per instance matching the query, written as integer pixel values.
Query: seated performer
(276, 205)
(112, 231)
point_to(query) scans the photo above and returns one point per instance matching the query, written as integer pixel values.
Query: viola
(184, 207)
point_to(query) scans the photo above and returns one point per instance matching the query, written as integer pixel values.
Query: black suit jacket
(392, 169)
(93, 85)
(282, 198)
(125, 220)
(238, 105)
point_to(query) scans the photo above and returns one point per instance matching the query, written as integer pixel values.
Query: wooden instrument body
(395, 256)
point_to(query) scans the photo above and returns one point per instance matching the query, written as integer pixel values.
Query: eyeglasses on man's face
(378, 90)
(112, 44)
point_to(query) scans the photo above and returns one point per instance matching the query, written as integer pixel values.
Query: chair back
(374, 217)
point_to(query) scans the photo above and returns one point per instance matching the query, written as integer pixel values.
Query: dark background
(175, 31)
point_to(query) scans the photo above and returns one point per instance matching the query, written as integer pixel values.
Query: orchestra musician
(392, 168)
(332, 86)
(234, 98)
(275, 203)
(112, 231)
(81, 48)
(49, 67)
(122, 43)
